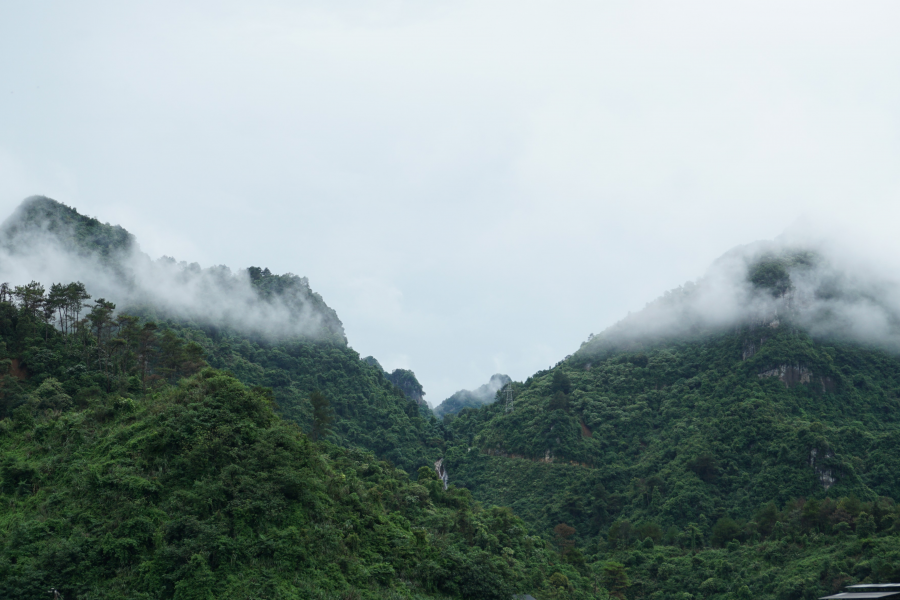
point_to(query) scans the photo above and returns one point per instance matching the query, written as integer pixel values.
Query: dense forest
(132, 469)
(147, 451)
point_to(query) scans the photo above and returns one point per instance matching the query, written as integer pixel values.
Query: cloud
(521, 173)
(826, 283)
(51, 249)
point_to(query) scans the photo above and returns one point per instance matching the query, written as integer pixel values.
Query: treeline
(84, 346)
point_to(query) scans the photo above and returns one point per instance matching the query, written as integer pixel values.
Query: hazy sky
(473, 186)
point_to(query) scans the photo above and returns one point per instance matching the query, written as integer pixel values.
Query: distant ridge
(485, 394)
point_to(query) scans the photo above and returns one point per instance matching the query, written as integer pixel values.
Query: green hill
(737, 438)
(130, 469)
(51, 242)
(685, 431)
(268, 330)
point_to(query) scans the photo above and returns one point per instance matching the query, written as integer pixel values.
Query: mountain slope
(269, 330)
(50, 242)
(201, 491)
(677, 428)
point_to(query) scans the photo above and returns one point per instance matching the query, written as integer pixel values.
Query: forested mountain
(746, 428)
(268, 330)
(169, 431)
(47, 241)
(140, 472)
(484, 394)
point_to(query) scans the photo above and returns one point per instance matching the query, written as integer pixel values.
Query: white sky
(473, 186)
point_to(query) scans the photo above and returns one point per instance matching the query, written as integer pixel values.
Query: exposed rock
(789, 374)
(441, 471)
(826, 476)
(749, 350)
(585, 430)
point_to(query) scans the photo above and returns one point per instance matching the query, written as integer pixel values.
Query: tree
(101, 321)
(725, 530)
(865, 525)
(705, 466)
(560, 383)
(146, 351)
(322, 415)
(31, 298)
(563, 534)
(615, 578)
(76, 296)
(558, 580)
(559, 402)
(648, 529)
(620, 534)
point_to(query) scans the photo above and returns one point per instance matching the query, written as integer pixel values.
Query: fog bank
(832, 287)
(50, 243)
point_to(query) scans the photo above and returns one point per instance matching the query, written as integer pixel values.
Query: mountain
(752, 410)
(214, 435)
(484, 394)
(51, 242)
(269, 330)
(200, 490)
(406, 382)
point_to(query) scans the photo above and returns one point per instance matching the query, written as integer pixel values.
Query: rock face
(790, 375)
(825, 475)
(795, 374)
(441, 471)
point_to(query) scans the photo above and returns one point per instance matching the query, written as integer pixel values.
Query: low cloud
(828, 286)
(112, 266)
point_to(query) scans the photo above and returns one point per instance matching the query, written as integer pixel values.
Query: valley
(158, 442)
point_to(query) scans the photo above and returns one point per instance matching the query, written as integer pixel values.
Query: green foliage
(75, 232)
(406, 381)
(200, 491)
(120, 479)
(772, 272)
(322, 415)
(705, 448)
(756, 463)
(724, 531)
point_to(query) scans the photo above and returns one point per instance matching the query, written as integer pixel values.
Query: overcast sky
(474, 186)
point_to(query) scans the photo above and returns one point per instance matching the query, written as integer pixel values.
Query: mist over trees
(47, 241)
(484, 394)
(824, 289)
(721, 441)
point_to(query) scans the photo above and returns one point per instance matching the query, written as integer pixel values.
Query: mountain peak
(41, 217)
(484, 394)
(48, 241)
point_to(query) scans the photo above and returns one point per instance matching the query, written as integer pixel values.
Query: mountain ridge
(737, 438)
(484, 394)
(48, 239)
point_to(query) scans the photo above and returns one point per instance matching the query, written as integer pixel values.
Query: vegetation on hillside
(147, 453)
(129, 469)
(765, 436)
